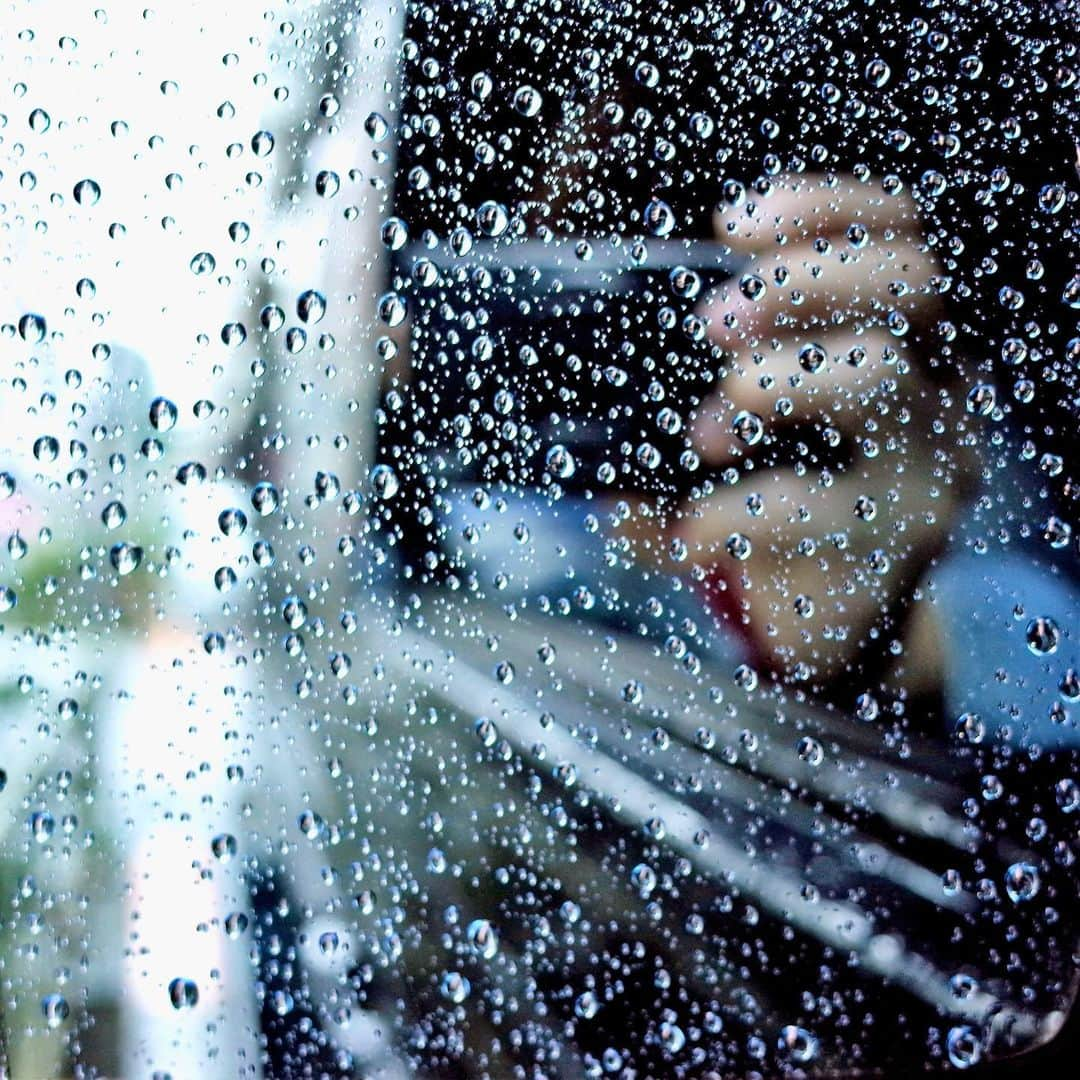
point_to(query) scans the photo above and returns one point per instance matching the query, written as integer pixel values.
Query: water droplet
(46, 448)
(55, 1009)
(272, 318)
(1042, 636)
(42, 826)
(586, 1006)
(1071, 294)
(492, 218)
(962, 986)
(877, 72)
(797, 1043)
(970, 728)
(560, 462)
(643, 878)
(87, 192)
(32, 328)
(481, 85)
(233, 334)
(810, 751)
(183, 993)
(224, 847)
(455, 987)
(114, 515)
(392, 308)
(384, 481)
(163, 414)
(311, 306)
(483, 939)
(236, 922)
(812, 358)
(659, 218)
(963, 1047)
(981, 399)
(527, 100)
(40, 121)
(376, 126)
(262, 143)
(203, 263)
(672, 1037)
(753, 287)
(685, 283)
(265, 498)
(125, 557)
(748, 426)
(1022, 882)
(395, 233)
(327, 183)
(738, 546)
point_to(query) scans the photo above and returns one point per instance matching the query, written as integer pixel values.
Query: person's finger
(837, 380)
(818, 286)
(803, 207)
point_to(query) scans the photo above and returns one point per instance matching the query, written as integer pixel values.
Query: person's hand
(831, 331)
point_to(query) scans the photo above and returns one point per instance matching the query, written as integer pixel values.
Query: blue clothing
(986, 603)
(985, 595)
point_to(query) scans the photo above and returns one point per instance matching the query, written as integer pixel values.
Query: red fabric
(723, 597)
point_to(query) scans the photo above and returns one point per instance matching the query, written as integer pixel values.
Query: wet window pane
(539, 538)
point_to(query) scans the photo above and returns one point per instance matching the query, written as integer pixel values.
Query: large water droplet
(203, 263)
(527, 100)
(659, 218)
(1042, 636)
(87, 192)
(963, 1047)
(55, 1009)
(1022, 882)
(183, 993)
(483, 939)
(262, 143)
(455, 987)
(46, 448)
(311, 306)
(492, 218)
(32, 328)
(163, 414)
(265, 498)
(560, 462)
(327, 183)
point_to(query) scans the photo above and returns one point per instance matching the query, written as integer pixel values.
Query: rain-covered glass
(539, 538)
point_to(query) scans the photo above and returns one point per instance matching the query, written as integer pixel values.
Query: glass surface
(538, 538)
